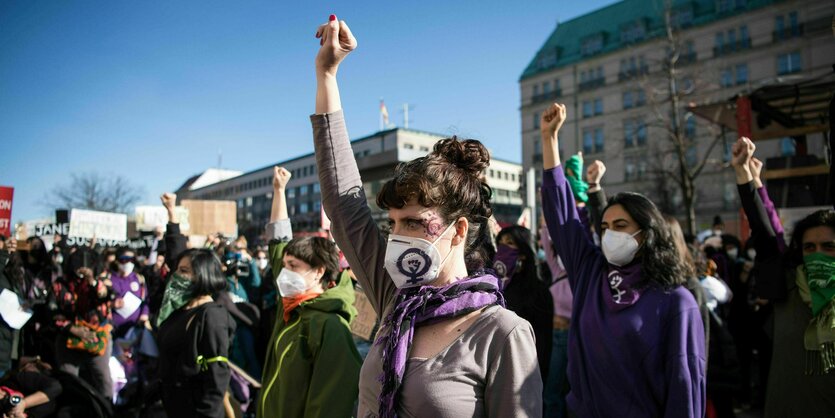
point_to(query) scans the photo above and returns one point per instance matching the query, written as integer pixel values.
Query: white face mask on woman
(413, 261)
(619, 247)
(290, 283)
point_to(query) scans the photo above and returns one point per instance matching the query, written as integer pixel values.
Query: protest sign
(363, 324)
(6, 197)
(100, 225)
(150, 217)
(212, 216)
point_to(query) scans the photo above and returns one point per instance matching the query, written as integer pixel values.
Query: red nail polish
(332, 18)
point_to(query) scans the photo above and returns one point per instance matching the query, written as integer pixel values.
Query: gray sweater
(489, 371)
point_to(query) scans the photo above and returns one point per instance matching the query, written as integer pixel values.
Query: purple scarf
(622, 289)
(423, 306)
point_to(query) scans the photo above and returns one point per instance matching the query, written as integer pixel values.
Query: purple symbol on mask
(414, 263)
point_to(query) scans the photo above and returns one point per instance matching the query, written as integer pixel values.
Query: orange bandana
(294, 301)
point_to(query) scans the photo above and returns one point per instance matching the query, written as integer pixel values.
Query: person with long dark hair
(194, 330)
(523, 290)
(446, 346)
(798, 280)
(636, 343)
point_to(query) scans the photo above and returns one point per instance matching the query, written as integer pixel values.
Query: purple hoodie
(123, 285)
(645, 360)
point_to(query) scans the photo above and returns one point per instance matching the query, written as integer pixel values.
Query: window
(536, 90)
(408, 146)
(787, 147)
(627, 100)
(291, 193)
(537, 146)
(304, 171)
(788, 63)
(598, 106)
(588, 111)
(301, 190)
(598, 139)
(588, 141)
(492, 173)
(642, 98)
(690, 127)
(317, 206)
(720, 41)
(591, 45)
(634, 132)
(629, 169)
(316, 188)
(303, 208)
(691, 155)
(642, 133)
(424, 149)
(536, 120)
(726, 79)
(248, 201)
(741, 73)
(633, 31)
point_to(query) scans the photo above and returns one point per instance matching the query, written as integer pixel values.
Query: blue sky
(153, 89)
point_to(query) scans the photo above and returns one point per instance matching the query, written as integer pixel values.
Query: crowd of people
(607, 310)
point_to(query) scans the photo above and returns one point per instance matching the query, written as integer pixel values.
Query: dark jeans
(555, 386)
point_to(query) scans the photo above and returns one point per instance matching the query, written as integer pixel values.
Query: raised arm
(766, 229)
(279, 230)
(597, 196)
(175, 242)
(567, 231)
(352, 226)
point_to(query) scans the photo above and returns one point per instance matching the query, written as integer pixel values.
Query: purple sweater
(123, 285)
(647, 360)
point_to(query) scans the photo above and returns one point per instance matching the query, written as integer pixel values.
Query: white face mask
(262, 263)
(127, 268)
(290, 283)
(619, 247)
(752, 253)
(413, 261)
(733, 253)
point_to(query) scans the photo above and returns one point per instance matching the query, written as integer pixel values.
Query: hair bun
(469, 155)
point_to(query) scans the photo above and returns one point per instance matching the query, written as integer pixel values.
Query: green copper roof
(601, 30)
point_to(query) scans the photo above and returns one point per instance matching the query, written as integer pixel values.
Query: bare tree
(94, 191)
(676, 164)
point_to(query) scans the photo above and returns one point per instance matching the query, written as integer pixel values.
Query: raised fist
(552, 119)
(280, 178)
(337, 42)
(595, 172)
(169, 200)
(741, 152)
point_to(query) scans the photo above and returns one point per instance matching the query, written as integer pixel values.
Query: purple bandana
(505, 261)
(620, 290)
(423, 306)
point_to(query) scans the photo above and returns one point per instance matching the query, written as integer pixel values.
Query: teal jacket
(312, 365)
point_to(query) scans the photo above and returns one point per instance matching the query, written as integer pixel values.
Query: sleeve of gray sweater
(343, 199)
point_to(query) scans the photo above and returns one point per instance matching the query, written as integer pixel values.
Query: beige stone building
(606, 67)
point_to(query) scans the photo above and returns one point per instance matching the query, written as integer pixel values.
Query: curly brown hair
(451, 179)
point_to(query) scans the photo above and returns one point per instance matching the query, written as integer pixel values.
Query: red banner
(6, 196)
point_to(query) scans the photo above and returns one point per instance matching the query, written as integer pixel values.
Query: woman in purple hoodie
(636, 342)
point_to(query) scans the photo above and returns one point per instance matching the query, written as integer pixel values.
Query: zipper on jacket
(280, 359)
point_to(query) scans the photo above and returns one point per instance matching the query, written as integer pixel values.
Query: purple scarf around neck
(622, 289)
(423, 306)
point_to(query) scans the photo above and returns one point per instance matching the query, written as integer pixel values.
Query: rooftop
(624, 23)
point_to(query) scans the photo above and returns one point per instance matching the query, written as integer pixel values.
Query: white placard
(150, 217)
(100, 225)
(11, 311)
(130, 303)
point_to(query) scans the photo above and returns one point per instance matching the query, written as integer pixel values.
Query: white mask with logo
(619, 247)
(413, 261)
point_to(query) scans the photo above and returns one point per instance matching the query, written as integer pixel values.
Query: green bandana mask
(575, 178)
(178, 292)
(818, 273)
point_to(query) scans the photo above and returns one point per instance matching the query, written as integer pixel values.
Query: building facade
(377, 156)
(607, 67)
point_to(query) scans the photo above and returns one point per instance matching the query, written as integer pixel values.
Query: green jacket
(312, 365)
